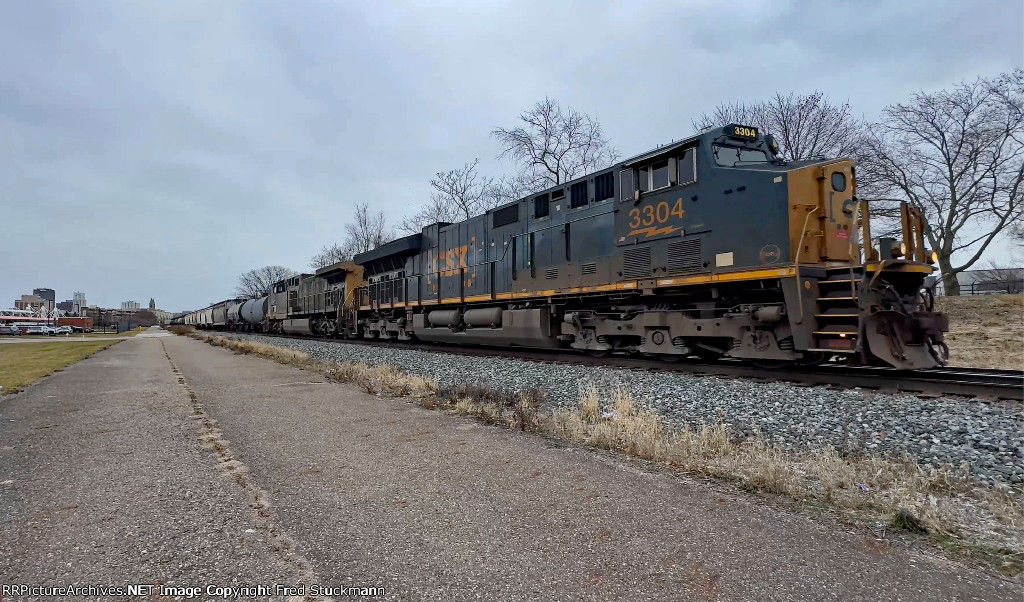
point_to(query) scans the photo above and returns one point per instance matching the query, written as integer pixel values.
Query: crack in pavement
(212, 438)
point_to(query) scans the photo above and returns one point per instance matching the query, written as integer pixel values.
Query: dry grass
(985, 331)
(279, 354)
(383, 379)
(946, 501)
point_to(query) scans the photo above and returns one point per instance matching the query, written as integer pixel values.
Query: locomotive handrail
(796, 265)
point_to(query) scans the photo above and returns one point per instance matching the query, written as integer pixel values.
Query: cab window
(626, 186)
(659, 175)
(688, 167)
(732, 156)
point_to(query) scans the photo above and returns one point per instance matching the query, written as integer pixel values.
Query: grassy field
(23, 364)
(985, 331)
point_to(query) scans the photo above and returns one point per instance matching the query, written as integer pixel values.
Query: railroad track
(975, 383)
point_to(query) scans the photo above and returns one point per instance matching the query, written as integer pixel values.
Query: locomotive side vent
(551, 273)
(588, 268)
(507, 215)
(684, 256)
(636, 263)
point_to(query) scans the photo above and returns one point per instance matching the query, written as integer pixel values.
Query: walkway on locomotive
(719, 206)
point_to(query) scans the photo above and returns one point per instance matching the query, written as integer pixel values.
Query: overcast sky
(159, 149)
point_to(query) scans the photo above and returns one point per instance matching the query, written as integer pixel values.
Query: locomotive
(713, 246)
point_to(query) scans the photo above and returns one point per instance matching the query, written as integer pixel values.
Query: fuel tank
(297, 326)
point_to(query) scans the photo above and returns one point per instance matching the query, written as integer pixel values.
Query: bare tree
(1016, 233)
(554, 144)
(458, 194)
(329, 255)
(255, 283)
(512, 188)
(957, 155)
(365, 233)
(805, 126)
(368, 231)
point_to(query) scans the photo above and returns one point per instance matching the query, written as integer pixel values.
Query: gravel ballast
(987, 436)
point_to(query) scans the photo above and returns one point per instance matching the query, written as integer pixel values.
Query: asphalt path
(166, 460)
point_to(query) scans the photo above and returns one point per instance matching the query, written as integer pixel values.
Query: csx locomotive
(712, 246)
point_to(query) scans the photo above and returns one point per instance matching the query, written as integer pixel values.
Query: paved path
(268, 474)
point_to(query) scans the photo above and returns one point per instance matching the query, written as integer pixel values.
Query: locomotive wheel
(599, 352)
(671, 358)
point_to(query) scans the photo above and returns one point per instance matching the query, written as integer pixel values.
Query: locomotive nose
(824, 210)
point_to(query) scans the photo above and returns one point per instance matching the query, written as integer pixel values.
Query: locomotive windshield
(733, 156)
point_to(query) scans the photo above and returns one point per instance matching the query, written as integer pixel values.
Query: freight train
(713, 246)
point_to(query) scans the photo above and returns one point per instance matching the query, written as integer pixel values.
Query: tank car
(253, 312)
(712, 246)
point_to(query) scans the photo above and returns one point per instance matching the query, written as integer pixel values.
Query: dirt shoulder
(985, 331)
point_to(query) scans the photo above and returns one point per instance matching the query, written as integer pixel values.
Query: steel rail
(975, 383)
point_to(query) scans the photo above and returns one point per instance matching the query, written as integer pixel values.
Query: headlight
(903, 249)
(933, 257)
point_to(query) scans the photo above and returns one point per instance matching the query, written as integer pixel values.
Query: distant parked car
(62, 330)
(38, 330)
(11, 330)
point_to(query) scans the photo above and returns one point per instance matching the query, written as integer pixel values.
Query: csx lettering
(656, 214)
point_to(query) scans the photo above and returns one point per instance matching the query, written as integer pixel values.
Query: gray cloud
(160, 149)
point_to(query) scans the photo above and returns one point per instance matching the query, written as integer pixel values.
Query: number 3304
(655, 214)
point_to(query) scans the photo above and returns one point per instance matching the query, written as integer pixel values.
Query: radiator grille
(588, 268)
(551, 273)
(636, 263)
(684, 256)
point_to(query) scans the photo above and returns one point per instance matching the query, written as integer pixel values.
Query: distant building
(130, 306)
(33, 303)
(152, 304)
(80, 304)
(66, 306)
(46, 293)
